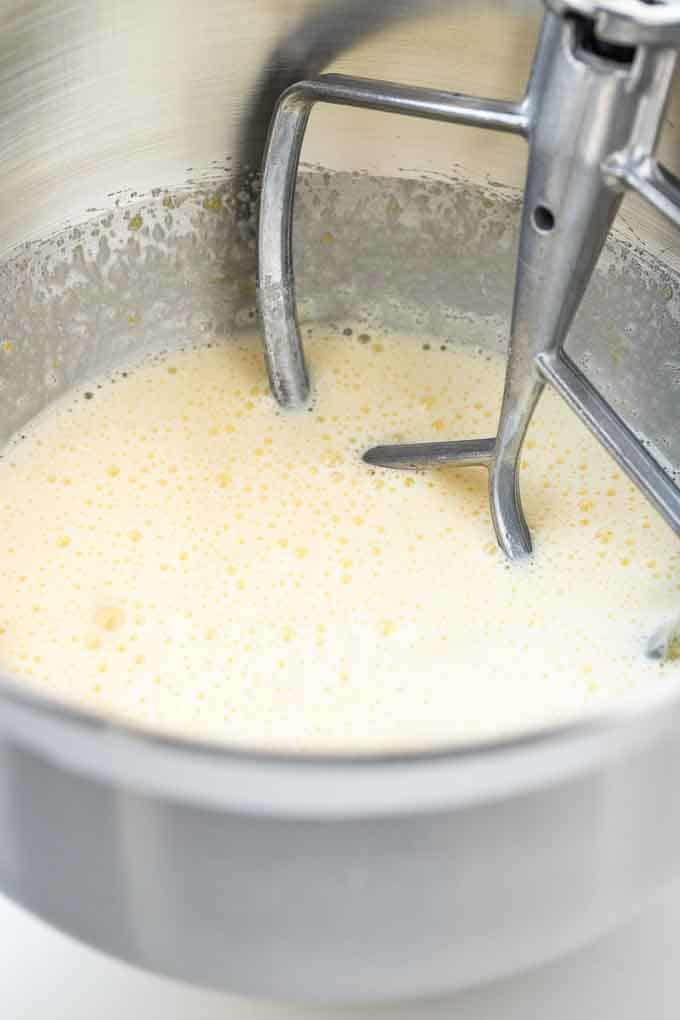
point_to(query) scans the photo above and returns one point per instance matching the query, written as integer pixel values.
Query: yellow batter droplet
(109, 617)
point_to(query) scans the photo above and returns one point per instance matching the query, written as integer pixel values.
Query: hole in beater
(544, 219)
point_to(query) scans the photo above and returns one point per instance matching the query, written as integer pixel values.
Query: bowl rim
(213, 775)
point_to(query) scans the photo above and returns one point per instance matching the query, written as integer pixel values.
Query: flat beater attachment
(591, 115)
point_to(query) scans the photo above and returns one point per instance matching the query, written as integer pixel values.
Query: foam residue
(177, 553)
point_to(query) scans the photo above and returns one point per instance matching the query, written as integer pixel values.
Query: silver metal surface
(664, 643)
(325, 879)
(331, 880)
(276, 288)
(626, 22)
(592, 114)
(465, 453)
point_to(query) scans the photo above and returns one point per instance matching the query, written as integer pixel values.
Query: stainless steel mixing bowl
(328, 879)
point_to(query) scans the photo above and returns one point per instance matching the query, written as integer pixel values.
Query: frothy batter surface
(176, 552)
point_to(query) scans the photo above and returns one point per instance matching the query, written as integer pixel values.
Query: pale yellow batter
(177, 553)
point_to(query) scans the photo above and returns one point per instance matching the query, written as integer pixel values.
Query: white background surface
(631, 975)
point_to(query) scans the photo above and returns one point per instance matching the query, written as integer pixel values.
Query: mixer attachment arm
(591, 115)
(276, 287)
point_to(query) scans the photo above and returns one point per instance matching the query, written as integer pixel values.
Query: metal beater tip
(464, 453)
(592, 55)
